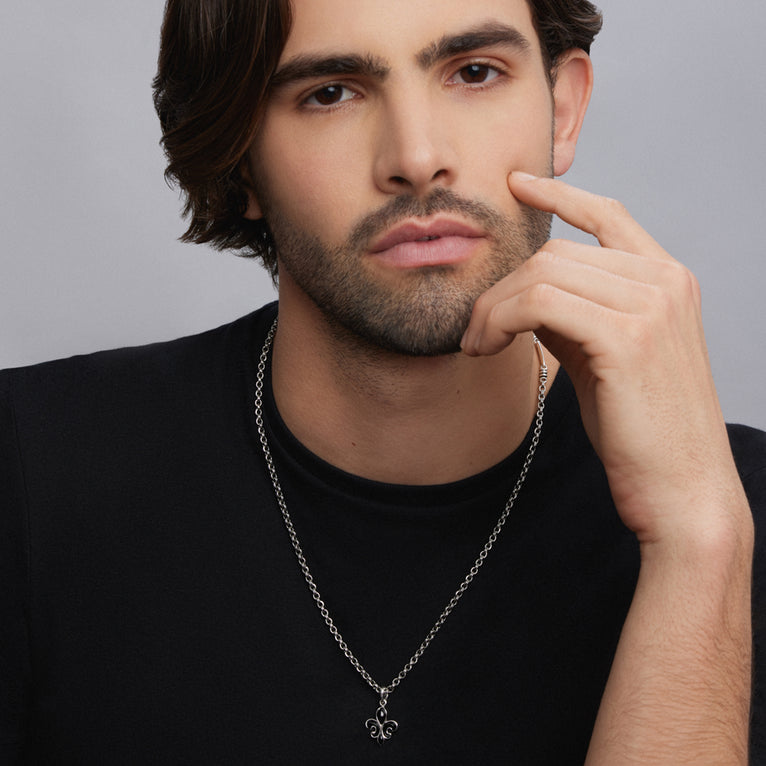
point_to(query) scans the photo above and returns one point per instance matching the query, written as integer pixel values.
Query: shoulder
(129, 371)
(89, 403)
(165, 354)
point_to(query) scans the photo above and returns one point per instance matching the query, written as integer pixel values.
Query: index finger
(604, 218)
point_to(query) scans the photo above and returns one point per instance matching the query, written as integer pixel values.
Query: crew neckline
(288, 449)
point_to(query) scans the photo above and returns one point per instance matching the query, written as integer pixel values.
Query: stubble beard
(425, 311)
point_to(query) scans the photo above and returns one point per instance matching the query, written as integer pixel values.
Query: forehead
(395, 29)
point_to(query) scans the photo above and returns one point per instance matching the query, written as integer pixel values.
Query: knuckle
(613, 208)
(683, 282)
(611, 215)
(692, 286)
(660, 307)
(483, 304)
(553, 245)
(491, 318)
(543, 261)
(695, 289)
(540, 296)
(494, 324)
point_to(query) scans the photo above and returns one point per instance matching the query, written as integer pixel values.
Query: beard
(425, 310)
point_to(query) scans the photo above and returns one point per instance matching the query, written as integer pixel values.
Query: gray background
(89, 253)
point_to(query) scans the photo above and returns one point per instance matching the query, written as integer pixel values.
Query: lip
(417, 244)
(413, 231)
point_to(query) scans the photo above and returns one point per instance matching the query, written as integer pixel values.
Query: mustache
(440, 200)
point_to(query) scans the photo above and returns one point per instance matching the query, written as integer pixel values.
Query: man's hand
(624, 320)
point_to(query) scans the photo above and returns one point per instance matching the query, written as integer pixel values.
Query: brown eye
(477, 74)
(329, 95)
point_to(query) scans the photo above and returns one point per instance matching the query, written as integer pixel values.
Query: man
(519, 554)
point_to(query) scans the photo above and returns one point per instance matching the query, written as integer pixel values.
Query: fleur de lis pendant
(380, 727)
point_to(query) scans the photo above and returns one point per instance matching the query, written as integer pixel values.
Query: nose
(413, 153)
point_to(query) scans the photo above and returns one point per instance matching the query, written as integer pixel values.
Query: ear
(571, 95)
(254, 211)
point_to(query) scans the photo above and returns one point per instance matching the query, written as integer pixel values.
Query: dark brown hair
(216, 60)
(562, 25)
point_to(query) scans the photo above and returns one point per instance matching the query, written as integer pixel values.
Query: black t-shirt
(153, 610)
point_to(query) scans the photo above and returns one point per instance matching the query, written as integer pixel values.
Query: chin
(421, 329)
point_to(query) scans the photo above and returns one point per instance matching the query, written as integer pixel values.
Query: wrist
(712, 546)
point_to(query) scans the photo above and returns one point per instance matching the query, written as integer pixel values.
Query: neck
(397, 419)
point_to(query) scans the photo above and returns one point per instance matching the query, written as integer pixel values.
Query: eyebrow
(306, 67)
(309, 66)
(487, 35)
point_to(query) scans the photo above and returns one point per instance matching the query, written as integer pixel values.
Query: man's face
(382, 164)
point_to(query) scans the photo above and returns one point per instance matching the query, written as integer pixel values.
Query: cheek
(512, 131)
(306, 187)
(521, 135)
(506, 149)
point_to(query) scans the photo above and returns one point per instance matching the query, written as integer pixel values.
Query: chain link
(384, 691)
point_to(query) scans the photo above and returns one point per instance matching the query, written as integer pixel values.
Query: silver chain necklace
(380, 726)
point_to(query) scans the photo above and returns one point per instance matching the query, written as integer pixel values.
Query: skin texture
(622, 317)
(318, 247)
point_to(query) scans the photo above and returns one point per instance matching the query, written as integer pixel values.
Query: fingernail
(523, 176)
(470, 344)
